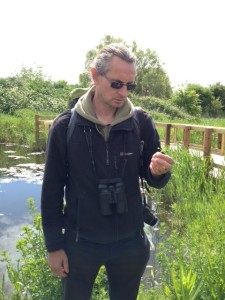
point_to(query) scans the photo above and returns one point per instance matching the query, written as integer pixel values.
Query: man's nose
(124, 91)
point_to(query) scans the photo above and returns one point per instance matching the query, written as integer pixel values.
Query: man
(101, 221)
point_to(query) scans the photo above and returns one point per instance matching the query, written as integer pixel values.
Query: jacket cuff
(159, 181)
(54, 246)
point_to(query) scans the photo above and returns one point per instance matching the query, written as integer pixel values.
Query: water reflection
(12, 155)
(21, 173)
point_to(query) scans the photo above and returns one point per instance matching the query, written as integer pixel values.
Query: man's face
(120, 72)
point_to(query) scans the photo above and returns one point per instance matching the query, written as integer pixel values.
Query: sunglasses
(117, 84)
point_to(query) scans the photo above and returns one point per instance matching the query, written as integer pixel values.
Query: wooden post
(207, 148)
(219, 140)
(186, 137)
(222, 144)
(207, 142)
(167, 134)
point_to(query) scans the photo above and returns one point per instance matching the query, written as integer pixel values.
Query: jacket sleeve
(55, 174)
(152, 145)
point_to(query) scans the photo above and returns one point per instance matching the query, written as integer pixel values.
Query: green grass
(19, 128)
(196, 232)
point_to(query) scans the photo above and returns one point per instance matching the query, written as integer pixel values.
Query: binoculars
(112, 196)
(113, 199)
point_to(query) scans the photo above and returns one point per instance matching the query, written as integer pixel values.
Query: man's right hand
(58, 263)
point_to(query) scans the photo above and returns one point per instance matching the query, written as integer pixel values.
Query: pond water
(21, 173)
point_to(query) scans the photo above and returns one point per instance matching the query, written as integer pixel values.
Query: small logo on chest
(126, 153)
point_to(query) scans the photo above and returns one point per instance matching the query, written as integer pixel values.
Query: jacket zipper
(77, 235)
(107, 154)
(116, 228)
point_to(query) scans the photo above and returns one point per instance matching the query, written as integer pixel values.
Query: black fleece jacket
(70, 195)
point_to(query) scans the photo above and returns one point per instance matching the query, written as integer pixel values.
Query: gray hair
(102, 61)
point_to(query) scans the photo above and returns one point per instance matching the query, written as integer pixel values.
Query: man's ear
(94, 75)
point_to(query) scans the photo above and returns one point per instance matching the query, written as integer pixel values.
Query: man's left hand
(160, 164)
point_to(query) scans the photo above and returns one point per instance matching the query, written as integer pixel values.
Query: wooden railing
(42, 125)
(212, 138)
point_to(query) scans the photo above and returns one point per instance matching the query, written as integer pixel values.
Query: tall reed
(195, 236)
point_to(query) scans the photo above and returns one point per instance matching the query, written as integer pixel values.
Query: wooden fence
(212, 138)
(42, 125)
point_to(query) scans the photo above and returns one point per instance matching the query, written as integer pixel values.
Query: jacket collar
(84, 107)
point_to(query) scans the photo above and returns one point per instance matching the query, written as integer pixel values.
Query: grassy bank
(19, 128)
(190, 264)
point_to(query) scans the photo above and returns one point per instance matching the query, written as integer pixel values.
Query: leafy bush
(188, 100)
(32, 90)
(155, 105)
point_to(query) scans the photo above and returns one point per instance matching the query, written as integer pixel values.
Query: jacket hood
(84, 107)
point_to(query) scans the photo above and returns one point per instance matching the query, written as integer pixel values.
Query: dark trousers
(125, 262)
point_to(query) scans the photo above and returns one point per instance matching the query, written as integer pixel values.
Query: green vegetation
(195, 246)
(32, 90)
(18, 128)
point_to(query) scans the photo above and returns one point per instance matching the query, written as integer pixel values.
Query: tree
(188, 100)
(205, 95)
(151, 78)
(216, 108)
(218, 91)
(209, 98)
